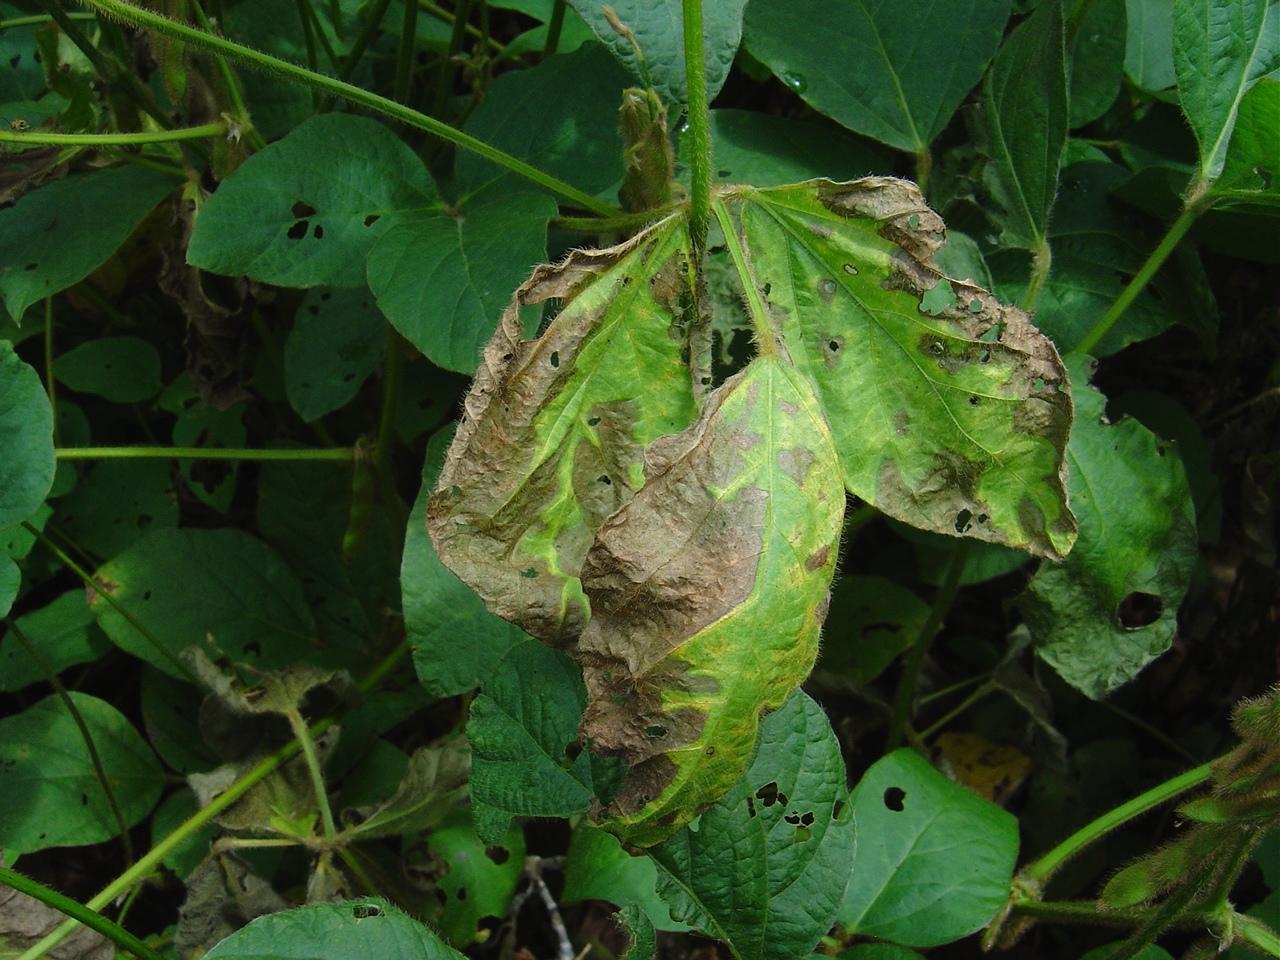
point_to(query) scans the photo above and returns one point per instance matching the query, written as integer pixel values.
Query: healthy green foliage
(119, 369)
(64, 633)
(338, 339)
(932, 862)
(26, 456)
(876, 69)
(1097, 51)
(57, 235)
(1025, 119)
(1111, 607)
(598, 868)
(53, 797)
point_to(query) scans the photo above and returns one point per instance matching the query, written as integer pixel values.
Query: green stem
(622, 223)
(193, 824)
(99, 771)
(214, 44)
(78, 913)
(332, 454)
(371, 28)
(1041, 262)
(1046, 866)
(942, 601)
(1257, 934)
(1177, 230)
(99, 590)
(1088, 912)
(924, 167)
(554, 28)
(114, 139)
(404, 57)
(699, 127)
(235, 91)
(308, 746)
(767, 338)
(942, 723)
(446, 16)
(50, 382)
(445, 77)
(36, 19)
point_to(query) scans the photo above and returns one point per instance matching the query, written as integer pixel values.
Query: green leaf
(442, 275)
(657, 28)
(338, 339)
(187, 585)
(52, 795)
(1094, 247)
(597, 868)
(21, 75)
(1220, 47)
(1103, 614)
(1148, 50)
(64, 632)
(1024, 121)
(26, 438)
(766, 151)
(57, 235)
(521, 728)
(879, 951)
(170, 717)
(554, 430)
(949, 410)
(1251, 172)
(477, 880)
(201, 424)
(457, 642)
(119, 369)
(766, 867)
(305, 210)
(690, 636)
(351, 930)
(892, 71)
(1151, 952)
(173, 811)
(10, 584)
(1097, 52)
(933, 861)
(116, 502)
(871, 621)
(560, 116)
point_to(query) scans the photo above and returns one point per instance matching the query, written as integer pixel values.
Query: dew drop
(795, 81)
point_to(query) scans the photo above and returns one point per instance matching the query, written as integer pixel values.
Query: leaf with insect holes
(766, 867)
(473, 880)
(554, 428)
(349, 930)
(53, 797)
(948, 409)
(1112, 606)
(58, 234)
(26, 456)
(708, 590)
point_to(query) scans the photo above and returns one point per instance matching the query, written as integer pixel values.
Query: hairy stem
(78, 913)
(1046, 866)
(1041, 261)
(446, 16)
(149, 861)
(914, 663)
(42, 138)
(1177, 230)
(445, 77)
(302, 734)
(404, 56)
(214, 44)
(36, 19)
(330, 454)
(699, 128)
(1257, 934)
(946, 719)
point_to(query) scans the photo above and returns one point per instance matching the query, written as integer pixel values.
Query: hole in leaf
(751, 807)
(806, 819)
(593, 421)
(850, 269)
(462, 893)
(30, 266)
(302, 210)
(363, 911)
(318, 232)
(655, 731)
(963, 519)
(298, 230)
(529, 573)
(573, 749)
(833, 345)
(768, 794)
(1139, 610)
(555, 358)
(371, 219)
(894, 798)
(604, 478)
(836, 808)
(974, 400)
(498, 855)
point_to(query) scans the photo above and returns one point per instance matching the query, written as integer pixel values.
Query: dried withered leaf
(24, 921)
(708, 591)
(552, 438)
(950, 410)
